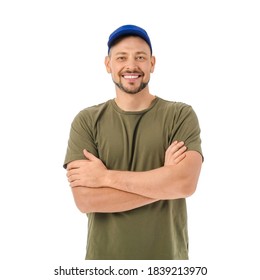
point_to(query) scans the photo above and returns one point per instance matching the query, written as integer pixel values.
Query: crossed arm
(97, 189)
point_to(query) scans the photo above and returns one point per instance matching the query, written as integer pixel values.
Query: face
(130, 64)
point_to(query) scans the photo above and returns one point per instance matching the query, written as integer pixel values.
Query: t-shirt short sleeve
(186, 128)
(80, 138)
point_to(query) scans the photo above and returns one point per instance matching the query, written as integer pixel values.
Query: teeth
(131, 77)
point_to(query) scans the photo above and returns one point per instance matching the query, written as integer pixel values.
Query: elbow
(81, 200)
(189, 185)
(190, 178)
(185, 184)
(188, 189)
(83, 208)
(183, 188)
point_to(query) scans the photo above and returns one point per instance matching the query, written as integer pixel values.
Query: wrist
(115, 179)
(108, 178)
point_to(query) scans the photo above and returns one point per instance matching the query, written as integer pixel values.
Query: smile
(131, 76)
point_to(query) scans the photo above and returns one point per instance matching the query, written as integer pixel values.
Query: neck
(134, 102)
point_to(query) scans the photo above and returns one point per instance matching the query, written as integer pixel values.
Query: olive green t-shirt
(136, 141)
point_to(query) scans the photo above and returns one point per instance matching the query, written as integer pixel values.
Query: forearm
(155, 183)
(172, 181)
(107, 200)
(167, 182)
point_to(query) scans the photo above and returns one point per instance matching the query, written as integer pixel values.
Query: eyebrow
(137, 53)
(120, 53)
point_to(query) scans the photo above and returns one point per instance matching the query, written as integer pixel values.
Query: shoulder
(174, 107)
(95, 109)
(171, 104)
(92, 113)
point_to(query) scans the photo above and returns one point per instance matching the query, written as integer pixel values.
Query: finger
(75, 164)
(73, 171)
(174, 147)
(88, 155)
(176, 155)
(75, 184)
(72, 177)
(179, 144)
(179, 151)
(171, 148)
(180, 158)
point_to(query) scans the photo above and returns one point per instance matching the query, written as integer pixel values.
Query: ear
(153, 61)
(107, 64)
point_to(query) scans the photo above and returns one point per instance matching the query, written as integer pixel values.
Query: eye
(121, 58)
(140, 57)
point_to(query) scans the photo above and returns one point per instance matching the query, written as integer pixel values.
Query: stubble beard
(131, 91)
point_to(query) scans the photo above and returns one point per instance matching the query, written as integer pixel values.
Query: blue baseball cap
(128, 30)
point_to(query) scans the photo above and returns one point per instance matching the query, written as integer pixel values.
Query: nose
(131, 64)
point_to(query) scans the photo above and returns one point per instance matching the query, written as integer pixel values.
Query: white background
(51, 66)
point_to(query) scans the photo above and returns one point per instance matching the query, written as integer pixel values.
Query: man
(127, 164)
